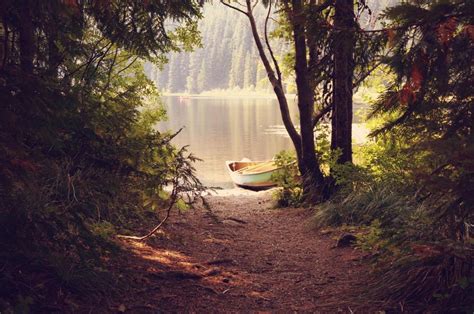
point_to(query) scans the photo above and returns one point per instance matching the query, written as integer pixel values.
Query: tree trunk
(26, 37)
(343, 47)
(313, 178)
(5, 48)
(277, 86)
(54, 57)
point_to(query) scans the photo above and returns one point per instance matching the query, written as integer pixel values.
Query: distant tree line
(228, 58)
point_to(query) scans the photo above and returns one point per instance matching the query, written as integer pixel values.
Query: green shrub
(287, 178)
(79, 151)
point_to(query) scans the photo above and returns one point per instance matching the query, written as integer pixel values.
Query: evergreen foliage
(414, 184)
(80, 157)
(432, 100)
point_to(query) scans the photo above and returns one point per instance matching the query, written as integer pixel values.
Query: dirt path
(241, 256)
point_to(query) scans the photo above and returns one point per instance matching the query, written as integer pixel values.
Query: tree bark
(26, 37)
(53, 51)
(5, 48)
(343, 47)
(313, 178)
(276, 84)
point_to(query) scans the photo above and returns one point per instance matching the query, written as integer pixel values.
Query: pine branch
(109, 72)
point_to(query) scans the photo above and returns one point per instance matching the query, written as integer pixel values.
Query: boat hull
(253, 181)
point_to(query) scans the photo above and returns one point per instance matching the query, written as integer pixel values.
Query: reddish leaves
(445, 31)
(70, 3)
(416, 77)
(469, 31)
(24, 164)
(413, 85)
(390, 37)
(406, 94)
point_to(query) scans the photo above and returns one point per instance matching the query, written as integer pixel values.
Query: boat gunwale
(228, 162)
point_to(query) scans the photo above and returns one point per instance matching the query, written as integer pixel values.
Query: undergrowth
(289, 192)
(80, 155)
(418, 263)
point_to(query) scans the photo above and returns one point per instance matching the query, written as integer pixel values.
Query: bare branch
(94, 56)
(275, 63)
(255, 4)
(109, 72)
(173, 198)
(234, 8)
(276, 83)
(318, 116)
(128, 65)
(366, 74)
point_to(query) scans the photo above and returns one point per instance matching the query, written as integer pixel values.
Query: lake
(220, 129)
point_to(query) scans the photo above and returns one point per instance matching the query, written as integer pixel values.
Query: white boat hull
(257, 180)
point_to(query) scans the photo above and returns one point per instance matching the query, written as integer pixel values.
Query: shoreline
(224, 94)
(237, 191)
(358, 98)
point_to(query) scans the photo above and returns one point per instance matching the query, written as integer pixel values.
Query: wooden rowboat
(254, 175)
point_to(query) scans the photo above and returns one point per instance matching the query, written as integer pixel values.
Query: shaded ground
(241, 256)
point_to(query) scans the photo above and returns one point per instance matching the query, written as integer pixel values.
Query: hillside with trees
(228, 59)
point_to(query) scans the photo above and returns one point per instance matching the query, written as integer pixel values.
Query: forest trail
(241, 255)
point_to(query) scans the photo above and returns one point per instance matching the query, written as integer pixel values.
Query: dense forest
(88, 183)
(228, 58)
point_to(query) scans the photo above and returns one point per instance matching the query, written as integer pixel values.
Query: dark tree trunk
(54, 57)
(5, 48)
(26, 37)
(313, 178)
(343, 47)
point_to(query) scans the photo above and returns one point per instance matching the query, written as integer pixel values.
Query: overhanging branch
(234, 8)
(267, 42)
(318, 116)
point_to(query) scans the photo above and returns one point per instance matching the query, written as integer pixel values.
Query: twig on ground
(240, 221)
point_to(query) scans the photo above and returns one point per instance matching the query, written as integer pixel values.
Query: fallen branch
(173, 199)
(174, 196)
(206, 288)
(240, 221)
(186, 187)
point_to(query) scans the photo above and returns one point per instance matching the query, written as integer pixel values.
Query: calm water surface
(220, 129)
